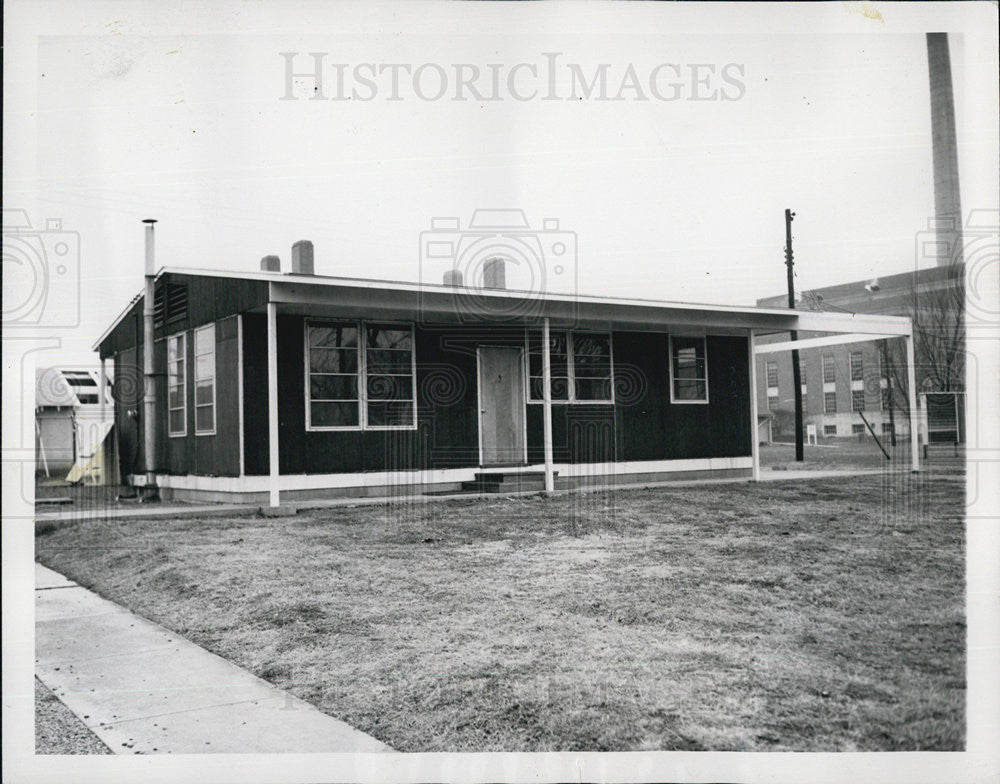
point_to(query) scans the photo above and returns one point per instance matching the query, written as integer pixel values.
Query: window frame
(215, 375)
(571, 398)
(770, 365)
(670, 370)
(857, 395)
(182, 337)
(827, 409)
(362, 373)
(859, 366)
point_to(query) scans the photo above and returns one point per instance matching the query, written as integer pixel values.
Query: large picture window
(688, 370)
(176, 385)
(359, 376)
(204, 380)
(333, 363)
(389, 376)
(580, 364)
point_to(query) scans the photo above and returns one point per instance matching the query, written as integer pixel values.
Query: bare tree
(938, 340)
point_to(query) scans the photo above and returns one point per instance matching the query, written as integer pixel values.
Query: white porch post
(911, 393)
(272, 401)
(547, 405)
(754, 440)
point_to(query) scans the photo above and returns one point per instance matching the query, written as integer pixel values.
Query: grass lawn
(818, 616)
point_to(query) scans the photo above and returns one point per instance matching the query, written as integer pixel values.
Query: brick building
(843, 385)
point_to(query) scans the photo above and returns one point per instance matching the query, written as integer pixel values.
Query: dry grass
(807, 616)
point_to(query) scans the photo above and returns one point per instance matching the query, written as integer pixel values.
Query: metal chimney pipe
(149, 379)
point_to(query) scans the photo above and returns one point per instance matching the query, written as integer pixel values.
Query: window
(829, 402)
(772, 402)
(887, 428)
(176, 385)
(389, 384)
(333, 399)
(591, 367)
(829, 369)
(204, 380)
(857, 400)
(772, 374)
(688, 370)
(857, 366)
(829, 430)
(802, 375)
(336, 398)
(857, 429)
(580, 364)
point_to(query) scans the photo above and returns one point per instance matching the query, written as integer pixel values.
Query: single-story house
(292, 385)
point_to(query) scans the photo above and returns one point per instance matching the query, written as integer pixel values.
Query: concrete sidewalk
(143, 689)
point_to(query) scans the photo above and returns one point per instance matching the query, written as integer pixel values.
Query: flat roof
(305, 290)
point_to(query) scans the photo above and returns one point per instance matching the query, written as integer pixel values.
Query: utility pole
(887, 375)
(796, 371)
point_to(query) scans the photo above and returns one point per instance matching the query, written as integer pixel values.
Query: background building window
(829, 402)
(772, 374)
(887, 428)
(176, 385)
(333, 399)
(688, 370)
(858, 400)
(389, 376)
(857, 429)
(829, 430)
(829, 369)
(857, 366)
(772, 402)
(204, 380)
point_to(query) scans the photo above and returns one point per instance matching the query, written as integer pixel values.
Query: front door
(501, 405)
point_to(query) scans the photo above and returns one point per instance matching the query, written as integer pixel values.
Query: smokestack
(149, 379)
(493, 274)
(270, 264)
(453, 277)
(947, 201)
(302, 258)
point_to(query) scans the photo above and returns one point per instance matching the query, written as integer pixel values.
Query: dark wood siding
(642, 425)
(651, 428)
(255, 432)
(127, 392)
(207, 299)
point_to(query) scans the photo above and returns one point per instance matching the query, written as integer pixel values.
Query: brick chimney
(493, 274)
(453, 277)
(270, 264)
(302, 258)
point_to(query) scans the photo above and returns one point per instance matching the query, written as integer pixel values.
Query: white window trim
(184, 385)
(215, 377)
(362, 375)
(830, 392)
(570, 370)
(767, 373)
(823, 366)
(854, 408)
(670, 370)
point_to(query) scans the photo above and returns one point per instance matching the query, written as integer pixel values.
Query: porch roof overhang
(448, 304)
(319, 296)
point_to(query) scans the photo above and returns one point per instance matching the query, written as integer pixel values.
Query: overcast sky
(181, 119)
